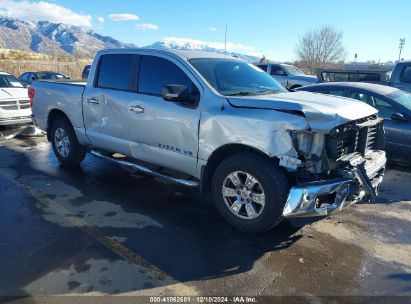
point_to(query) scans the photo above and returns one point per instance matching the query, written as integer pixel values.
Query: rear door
(163, 132)
(106, 102)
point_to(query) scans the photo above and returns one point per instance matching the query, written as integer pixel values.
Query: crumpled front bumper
(360, 180)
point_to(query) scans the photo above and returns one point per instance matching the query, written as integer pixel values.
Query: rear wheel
(65, 144)
(250, 192)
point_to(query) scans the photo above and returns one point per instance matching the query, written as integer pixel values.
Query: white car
(14, 101)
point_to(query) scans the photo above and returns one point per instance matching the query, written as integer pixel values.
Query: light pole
(225, 38)
(402, 42)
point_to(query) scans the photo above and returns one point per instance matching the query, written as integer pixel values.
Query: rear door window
(361, 96)
(116, 71)
(335, 92)
(156, 72)
(264, 67)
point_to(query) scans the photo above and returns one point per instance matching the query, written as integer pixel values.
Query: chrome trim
(365, 178)
(184, 182)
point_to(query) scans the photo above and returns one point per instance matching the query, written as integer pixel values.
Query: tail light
(31, 95)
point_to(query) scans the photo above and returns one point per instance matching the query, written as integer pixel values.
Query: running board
(180, 181)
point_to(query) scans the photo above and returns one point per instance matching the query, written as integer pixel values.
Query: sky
(372, 29)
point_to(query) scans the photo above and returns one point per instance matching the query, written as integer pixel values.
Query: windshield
(8, 81)
(292, 70)
(401, 97)
(233, 77)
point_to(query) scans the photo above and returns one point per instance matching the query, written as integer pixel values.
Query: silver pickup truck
(220, 124)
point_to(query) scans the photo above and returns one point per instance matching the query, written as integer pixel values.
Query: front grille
(15, 118)
(359, 136)
(14, 104)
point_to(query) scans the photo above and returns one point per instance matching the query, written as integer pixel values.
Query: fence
(18, 67)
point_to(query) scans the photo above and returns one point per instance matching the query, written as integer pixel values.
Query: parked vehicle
(14, 101)
(288, 75)
(86, 71)
(28, 77)
(353, 75)
(221, 124)
(401, 76)
(393, 105)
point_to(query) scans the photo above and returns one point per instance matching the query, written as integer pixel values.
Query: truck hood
(13, 93)
(323, 112)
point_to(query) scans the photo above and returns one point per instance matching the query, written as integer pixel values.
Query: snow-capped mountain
(62, 39)
(197, 45)
(53, 38)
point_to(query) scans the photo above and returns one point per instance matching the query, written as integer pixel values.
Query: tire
(63, 135)
(270, 184)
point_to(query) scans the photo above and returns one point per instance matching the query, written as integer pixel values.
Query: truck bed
(52, 95)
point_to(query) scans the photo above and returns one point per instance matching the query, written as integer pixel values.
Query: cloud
(213, 29)
(201, 44)
(123, 17)
(147, 26)
(100, 19)
(43, 11)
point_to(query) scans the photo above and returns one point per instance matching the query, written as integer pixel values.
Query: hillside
(53, 38)
(57, 39)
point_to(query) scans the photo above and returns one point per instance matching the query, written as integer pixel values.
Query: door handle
(137, 109)
(92, 100)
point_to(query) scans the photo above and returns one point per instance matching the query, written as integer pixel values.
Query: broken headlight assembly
(310, 146)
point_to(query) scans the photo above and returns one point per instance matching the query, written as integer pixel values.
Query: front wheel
(65, 144)
(250, 192)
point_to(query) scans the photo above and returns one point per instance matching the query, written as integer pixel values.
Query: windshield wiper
(243, 94)
(271, 92)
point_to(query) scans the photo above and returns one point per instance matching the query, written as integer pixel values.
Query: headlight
(303, 141)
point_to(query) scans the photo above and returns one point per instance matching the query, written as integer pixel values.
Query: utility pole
(225, 39)
(402, 43)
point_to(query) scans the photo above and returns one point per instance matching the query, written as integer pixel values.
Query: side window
(385, 109)
(277, 70)
(116, 71)
(362, 97)
(264, 67)
(24, 77)
(335, 92)
(156, 72)
(406, 74)
(334, 77)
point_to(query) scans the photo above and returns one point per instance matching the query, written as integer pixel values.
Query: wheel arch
(222, 153)
(52, 116)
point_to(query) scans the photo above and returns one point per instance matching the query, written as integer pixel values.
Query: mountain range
(62, 39)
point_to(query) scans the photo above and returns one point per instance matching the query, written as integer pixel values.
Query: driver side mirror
(181, 94)
(398, 117)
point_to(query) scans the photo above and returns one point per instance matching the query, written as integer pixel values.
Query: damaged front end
(337, 169)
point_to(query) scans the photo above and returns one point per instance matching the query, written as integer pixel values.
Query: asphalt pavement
(100, 229)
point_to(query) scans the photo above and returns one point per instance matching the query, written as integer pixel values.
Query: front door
(397, 134)
(163, 132)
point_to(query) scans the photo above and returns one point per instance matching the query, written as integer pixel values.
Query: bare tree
(320, 47)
